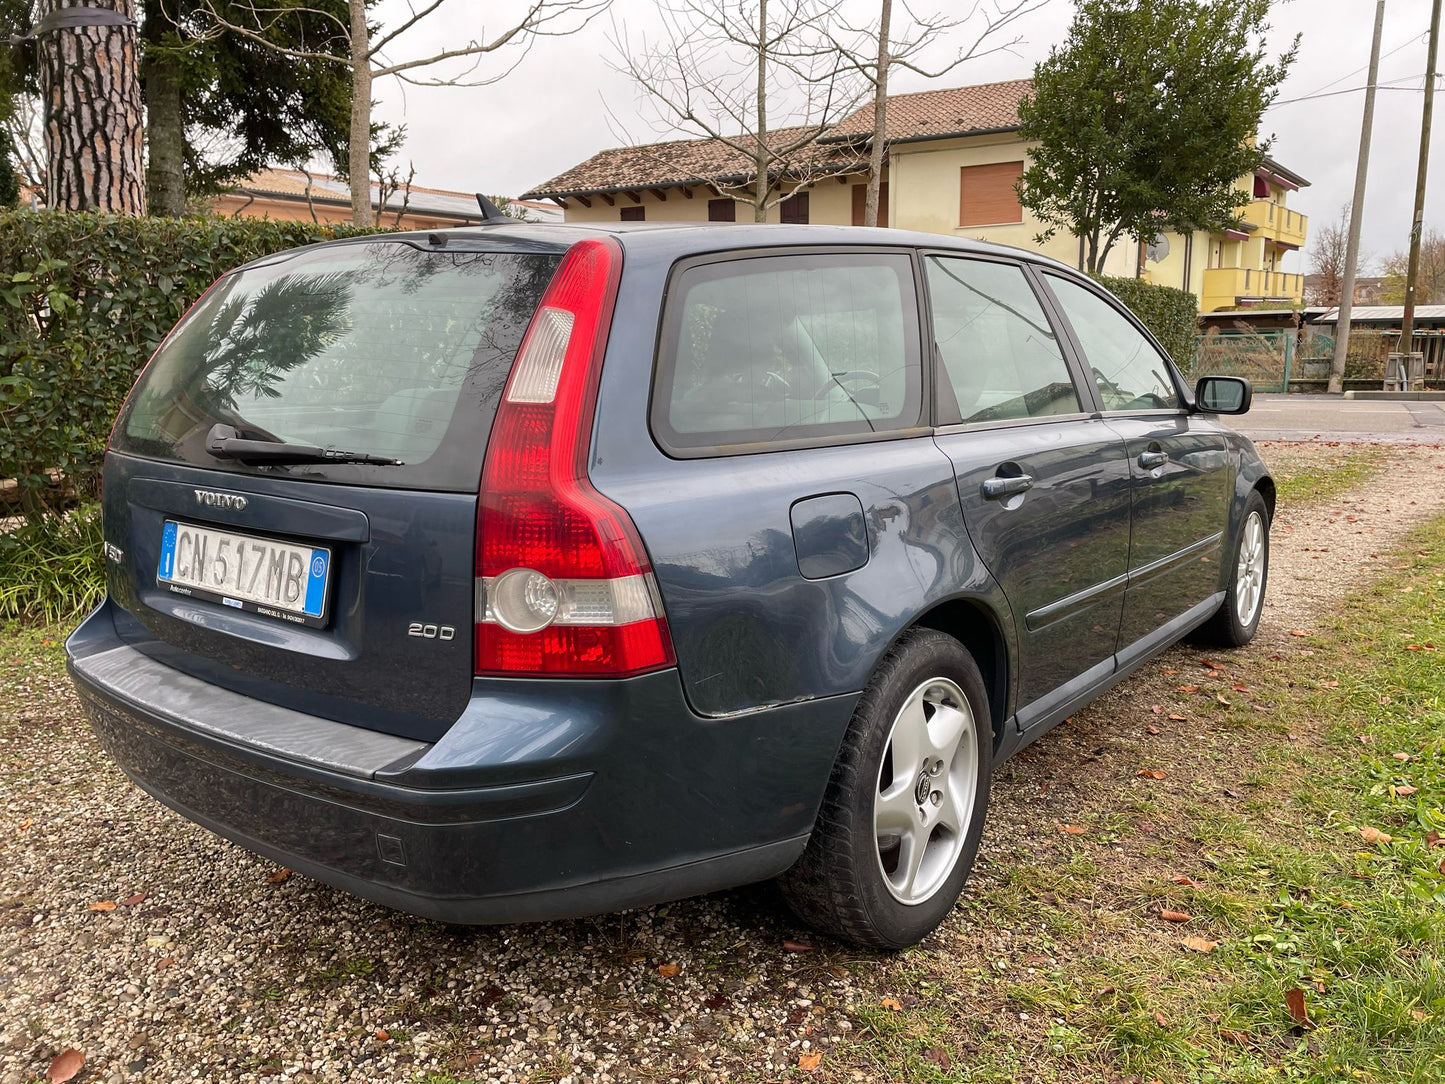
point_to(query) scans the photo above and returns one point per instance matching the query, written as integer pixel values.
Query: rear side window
(788, 349)
(1000, 355)
(379, 347)
(1130, 373)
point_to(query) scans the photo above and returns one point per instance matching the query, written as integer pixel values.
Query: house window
(634, 214)
(860, 202)
(1261, 188)
(722, 210)
(988, 196)
(793, 211)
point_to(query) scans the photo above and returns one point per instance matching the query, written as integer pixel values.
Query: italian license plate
(259, 575)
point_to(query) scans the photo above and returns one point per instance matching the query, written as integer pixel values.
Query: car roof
(674, 240)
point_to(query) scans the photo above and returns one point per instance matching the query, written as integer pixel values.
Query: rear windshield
(379, 347)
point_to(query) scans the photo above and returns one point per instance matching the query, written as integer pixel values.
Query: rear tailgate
(341, 589)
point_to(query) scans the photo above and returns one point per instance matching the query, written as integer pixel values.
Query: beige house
(954, 158)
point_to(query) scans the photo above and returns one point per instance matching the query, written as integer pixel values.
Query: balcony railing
(1225, 286)
(1277, 222)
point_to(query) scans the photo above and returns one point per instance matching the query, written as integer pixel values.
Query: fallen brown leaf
(1163, 1022)
(1199, 944)
(1174, 715)
(1234, 1036)
(797, 946)
(103, 905)
(1173, 916)
(1294, 1003)
(1404, 790)
(668, 971)
(1181, 879)
(1153, 730)
(132, 901)
(892, 1004)
(1072, 829)
(1191, 689)
(1298, 632)
(1151, 773)
(1401, 756)
(164, 962)
(1157, 709)
(382, 1035)
(26, 823)
(1329, 684)
(1209, 665)
(810, 1061)
(1418, 1016)
(279, 876)
(66, 1064)
(1374, 835)
(1240, 687)
(939, 1057)
(1167, 670)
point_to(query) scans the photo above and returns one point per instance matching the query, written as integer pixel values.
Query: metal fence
(1266, 358)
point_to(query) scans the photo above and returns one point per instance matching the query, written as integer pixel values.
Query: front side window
(1130, 373)
(999, 353)
(789, 348)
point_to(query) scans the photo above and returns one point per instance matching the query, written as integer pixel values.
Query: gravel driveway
(165, 953)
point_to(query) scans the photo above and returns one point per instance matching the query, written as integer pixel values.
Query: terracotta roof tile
(933, 114)
(683, 161)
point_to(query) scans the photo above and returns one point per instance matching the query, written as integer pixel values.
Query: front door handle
(994, 488)
(1150, 460)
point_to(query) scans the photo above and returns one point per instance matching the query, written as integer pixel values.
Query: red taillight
(564, 586)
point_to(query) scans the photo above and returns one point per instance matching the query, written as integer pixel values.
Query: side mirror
(1223, 394)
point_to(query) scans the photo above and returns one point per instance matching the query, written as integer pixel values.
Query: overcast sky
(553, 110)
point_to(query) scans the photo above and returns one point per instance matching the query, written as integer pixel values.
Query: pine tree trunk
(360, 150)
(94, 129)
(165, 143)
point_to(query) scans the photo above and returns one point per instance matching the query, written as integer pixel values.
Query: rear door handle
(994, 488)
(1150, 460)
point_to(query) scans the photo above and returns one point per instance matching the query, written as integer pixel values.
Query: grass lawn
(1304, 845)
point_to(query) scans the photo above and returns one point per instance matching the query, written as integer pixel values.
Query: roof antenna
(490, 211)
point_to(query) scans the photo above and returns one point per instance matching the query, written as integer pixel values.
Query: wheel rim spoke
(1249, 572)
(945, 729)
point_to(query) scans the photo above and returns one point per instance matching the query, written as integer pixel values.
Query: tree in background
(89, 77)
(1146, 117)
(368, 52)
(1328, 245)
(1429, 285)
(761, 77)
(221, 106)
(875, 50)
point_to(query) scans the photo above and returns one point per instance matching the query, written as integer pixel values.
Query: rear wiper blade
(223, 443)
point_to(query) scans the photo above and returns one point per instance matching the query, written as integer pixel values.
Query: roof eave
(337, 201)
(701, 182)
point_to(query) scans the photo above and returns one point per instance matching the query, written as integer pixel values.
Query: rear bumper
(546, 799)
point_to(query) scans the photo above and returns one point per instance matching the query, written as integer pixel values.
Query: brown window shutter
(794, 210)
(722, 210)
(986, 194)
(860, 203)
(633, 214)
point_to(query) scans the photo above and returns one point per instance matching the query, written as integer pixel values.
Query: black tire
(839, 885)
(1226, 628)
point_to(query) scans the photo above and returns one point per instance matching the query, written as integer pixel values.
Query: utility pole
(1407, 327)
(1352, 249)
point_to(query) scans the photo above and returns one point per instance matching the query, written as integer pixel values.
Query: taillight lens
(564, 586)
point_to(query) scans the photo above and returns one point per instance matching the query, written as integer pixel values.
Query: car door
(1044, 485)
(1179, 464)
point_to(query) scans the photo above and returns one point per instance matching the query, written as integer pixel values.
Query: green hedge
(1172, 315)
(84, 301)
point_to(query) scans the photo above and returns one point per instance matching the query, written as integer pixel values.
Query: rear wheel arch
(1267, 490)
(976, 627)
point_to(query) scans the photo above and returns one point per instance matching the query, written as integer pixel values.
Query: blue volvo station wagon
(517, 572)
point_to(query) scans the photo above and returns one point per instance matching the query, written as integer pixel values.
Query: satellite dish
(1159, 250)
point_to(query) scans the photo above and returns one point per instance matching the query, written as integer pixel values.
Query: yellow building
(953, 160)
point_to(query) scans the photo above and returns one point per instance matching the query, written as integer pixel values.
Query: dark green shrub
(1172, 315)
(51, 566)
(84, 301)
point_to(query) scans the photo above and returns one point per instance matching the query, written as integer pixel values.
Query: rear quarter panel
(750, 630)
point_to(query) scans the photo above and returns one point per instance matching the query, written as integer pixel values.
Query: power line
(1417, 39)
(1388, 85)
